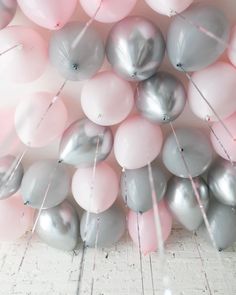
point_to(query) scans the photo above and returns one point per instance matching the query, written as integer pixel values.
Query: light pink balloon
(105, 188)
(218, 84)
(15, 218)
(107, 99)
(167, 6)
(110, 11)
(28, 60)
(232, 48)
(137, 142)
(147, 229)
(30, 112)
(50, 14)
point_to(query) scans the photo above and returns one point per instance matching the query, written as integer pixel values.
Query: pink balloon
(147, 229)
(137, 142)
(30, 112)
(95, 194)
(232, 48)
(28, 60)
(107, 99)
(167, 6)
(15, 218)
(50, 14)
(217, 83)
(111, 11)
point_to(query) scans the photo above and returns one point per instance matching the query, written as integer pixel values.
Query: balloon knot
(26, 203)
(57, 25)
(75, 66)
(134, 75)
(179, 65)
(60, 161)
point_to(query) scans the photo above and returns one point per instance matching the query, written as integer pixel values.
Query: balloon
(59, 227)
(147, 229)
(7, 12)
(137, 143)
(82, 141)
(95, 193)
(221, 180)
(28, 60)
(76, 60)
(53, 14)
(168, 7)
(108, 227)
(217, 83)
(135, 48)
(110, 11)
(228, 143)
(12, 183)
(182, 35)
(31, 128)
(36, 180)
(232, 47)
(15, 218)
(196, 149)
(161, 98)
(106, 99)
(136, 189)
(183, 203)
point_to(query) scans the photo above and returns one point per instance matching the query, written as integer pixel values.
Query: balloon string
(151, 271)
(11, 48)
(95, 256)
(81, 268)
(140, 253)
(125, 184)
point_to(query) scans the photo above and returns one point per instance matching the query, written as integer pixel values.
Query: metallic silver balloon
(76, 60)
(182, 201)
(7, 12)
(59, 227)
(222, 181)
(136, 190)
(191, 48)
(108, 227)
(12, 184)
(82, 141)
(196, 149)
(135, 48)
(161, 98)
(45, 176)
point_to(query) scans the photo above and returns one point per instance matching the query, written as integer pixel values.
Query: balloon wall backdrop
(123, 161)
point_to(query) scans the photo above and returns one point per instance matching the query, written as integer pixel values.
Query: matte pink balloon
(95, 194)
(110, 11)
(167, 6)
(28, 60)
(15, 218)
(137, 142)
(107, 99)
(217, 83)
(30, 112)
(147, 229)
(232, 48)
(50, 14)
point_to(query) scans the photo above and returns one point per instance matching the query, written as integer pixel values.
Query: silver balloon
(136, 191)
(11, 184)
(59, 227)
(191, 48)
(135, 48)
(45, 177)
(7, 12)
(183, 202)
(196, 149)
(161, 98)
(108, 227)
(76, 60)
(82, 141)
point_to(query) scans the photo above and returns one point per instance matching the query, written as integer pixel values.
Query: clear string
(140, 254)
(95, 256)
(11, 48)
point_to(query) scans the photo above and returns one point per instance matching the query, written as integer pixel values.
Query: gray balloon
(196, 149)
(76, 60)
(12, 184)
(106, 227)
(161, 98)
(84, 140)
(136, 190)
(183, 203)
(135, 48)
(59, 227)
(7, 12)
(188, 46)
(45, 176)
(222, 220)
(222, 180)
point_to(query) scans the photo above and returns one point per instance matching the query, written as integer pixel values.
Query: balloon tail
(140, 254)
(95, 256)
(19, 46)
(151, 271)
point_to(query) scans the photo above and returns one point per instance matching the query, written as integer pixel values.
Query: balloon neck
(182, 150)
(57, 25)
(134, 75)
(26, 203)
(75, 66)
(60, 161)
(165, 118)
